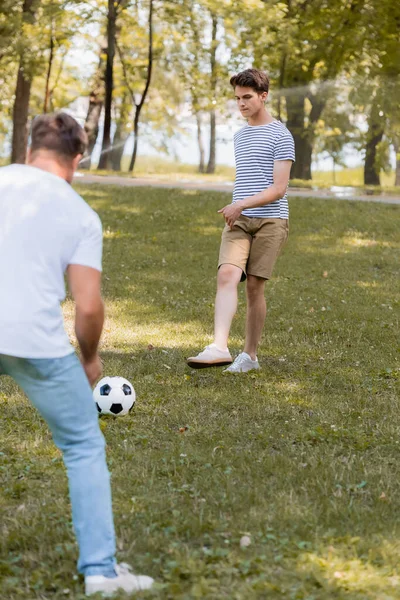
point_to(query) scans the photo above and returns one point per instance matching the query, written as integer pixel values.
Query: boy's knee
(229, 275)
(255, 287)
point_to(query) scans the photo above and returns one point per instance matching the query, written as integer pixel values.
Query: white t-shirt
(44, 227)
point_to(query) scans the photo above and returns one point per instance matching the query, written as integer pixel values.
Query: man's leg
(256, 313)
(225, 303)
(61, 392)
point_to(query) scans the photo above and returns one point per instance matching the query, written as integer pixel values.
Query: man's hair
(59, 133)
(252, 78)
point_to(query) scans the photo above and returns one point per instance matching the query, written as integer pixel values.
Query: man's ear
(28, 155)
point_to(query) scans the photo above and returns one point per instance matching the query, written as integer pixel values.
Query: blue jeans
(59, 389)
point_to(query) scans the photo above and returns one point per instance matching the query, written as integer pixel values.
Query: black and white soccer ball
(114, 396)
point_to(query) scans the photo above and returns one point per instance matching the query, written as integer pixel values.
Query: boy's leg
(256, 313)
(269, 238)
(233, 256)
(234, 251)
(61, 392)
(228, 278)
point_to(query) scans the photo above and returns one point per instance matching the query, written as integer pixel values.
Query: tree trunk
(213, 64)
(92, 126)
(213, 137)
(397, 178)
(281, 85)
(120, 135)
(200, 143)
(374, 137)
(22, 95)
(118, 147)
(109, 84)
(136, 139)
(20, 118)
(96, 100)
(48, 75)
(295, 123)
(146, 89)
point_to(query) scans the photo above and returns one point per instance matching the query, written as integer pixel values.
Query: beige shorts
(253, 245)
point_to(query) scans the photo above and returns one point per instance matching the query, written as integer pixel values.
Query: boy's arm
(277, 190)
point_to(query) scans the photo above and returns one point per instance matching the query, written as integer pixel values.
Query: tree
(96, 101)
(24, 83)
(115, 8)
(121, 133)
(213, 82)
(138, 103)
(304, 46)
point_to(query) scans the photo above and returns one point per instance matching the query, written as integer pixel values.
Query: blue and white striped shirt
(256, 149)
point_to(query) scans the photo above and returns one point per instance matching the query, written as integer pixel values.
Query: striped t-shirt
(256, 149)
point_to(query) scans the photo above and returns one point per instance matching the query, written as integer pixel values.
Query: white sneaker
(243, 363)
(125, 580)
(210, 357)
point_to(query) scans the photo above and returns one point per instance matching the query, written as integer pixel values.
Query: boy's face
(249, 101)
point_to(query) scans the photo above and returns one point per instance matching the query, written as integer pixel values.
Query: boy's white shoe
(242, 364)
(211, 356)
(125, 580)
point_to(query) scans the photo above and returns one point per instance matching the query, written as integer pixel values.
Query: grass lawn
(302, 457)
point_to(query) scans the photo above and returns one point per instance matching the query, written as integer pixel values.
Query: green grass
(302, 457)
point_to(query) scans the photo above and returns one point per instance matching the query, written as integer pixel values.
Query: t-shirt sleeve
(284, 147)
(88, 251)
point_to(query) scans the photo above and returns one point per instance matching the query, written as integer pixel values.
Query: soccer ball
(114, 396)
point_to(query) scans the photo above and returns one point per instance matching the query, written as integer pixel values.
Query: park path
(343, 194)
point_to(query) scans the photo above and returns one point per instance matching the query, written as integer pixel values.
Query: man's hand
(93, 368)
(231, 212)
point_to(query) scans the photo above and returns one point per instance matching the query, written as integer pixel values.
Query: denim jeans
(59, 389)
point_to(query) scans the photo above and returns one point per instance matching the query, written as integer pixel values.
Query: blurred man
(46, 230)
(256, 223)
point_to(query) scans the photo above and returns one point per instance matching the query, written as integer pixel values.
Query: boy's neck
(262, 117)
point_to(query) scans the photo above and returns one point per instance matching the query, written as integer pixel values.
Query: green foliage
(334, 65)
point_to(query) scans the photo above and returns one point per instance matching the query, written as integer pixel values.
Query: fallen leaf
(183, 429)
(150, 347)
(325, 274)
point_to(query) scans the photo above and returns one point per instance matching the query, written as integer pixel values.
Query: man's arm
(85, 286)
(276, 191)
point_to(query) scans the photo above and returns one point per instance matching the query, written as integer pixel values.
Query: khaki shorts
(253, 245)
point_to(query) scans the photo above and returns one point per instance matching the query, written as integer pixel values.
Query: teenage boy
(47, 229)
(256, 222)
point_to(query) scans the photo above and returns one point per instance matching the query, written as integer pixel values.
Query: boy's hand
(231, 213)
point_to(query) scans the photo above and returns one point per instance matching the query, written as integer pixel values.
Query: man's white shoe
(125, 580)
(242, 364)
(210, 357)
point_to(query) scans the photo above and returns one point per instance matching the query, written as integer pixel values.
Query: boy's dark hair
(60, 133)
(252, 78)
